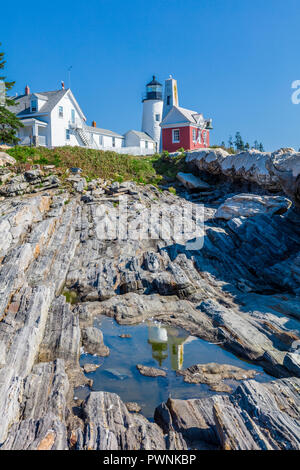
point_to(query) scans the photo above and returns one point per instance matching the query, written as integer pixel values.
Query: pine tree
(261, 147)
(223, 144)
(9, 123)
(230, 142)
(239, 143)
(247, 146)
(256, 145)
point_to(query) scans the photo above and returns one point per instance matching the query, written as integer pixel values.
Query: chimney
(27, 90)
(63, 85)
(94, 124)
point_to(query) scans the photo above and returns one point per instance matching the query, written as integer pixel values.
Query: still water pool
(157, 345)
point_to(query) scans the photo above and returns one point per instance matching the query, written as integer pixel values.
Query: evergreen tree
(247, 146)
(223, 144)
(261, 147)
(9, 123)
(230, 142)
(239, 143)
(256, 145)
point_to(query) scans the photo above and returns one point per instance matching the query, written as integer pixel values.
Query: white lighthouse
(152, 111)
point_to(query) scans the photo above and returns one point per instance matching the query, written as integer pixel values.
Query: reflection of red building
(184, 128)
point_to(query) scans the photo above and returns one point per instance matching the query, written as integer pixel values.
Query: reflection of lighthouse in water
(163, 338)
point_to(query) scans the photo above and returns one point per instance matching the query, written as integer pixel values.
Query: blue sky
(235, 60)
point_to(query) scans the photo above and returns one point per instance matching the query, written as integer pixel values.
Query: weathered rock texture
(256, 416)
(241, 290)
(215, 375)
(279, 170)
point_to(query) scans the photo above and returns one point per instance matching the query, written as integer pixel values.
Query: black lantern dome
(153, 90)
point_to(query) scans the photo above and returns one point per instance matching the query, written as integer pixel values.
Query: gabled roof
(50, 98)
(180, 115)
(140, 135)
(97, 130)
(22, 106)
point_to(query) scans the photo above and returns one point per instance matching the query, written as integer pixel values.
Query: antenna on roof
(69, 75)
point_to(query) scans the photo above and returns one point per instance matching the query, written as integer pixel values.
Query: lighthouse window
(176, 135)
(157, 117)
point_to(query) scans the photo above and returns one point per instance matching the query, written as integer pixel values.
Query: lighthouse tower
(152, 110)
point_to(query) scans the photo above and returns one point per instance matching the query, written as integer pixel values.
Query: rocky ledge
(240, 290)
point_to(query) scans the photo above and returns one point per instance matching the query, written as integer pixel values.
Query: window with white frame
(60, 111)
(175, 136)
(33, 106)
(157, 117)
(67, 134)
(73, 116)
(113, 141)
(194, 135)
(204, 138)
(146, 144)
(100, 139)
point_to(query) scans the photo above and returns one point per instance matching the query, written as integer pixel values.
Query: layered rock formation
(275, 171)
(241, 290)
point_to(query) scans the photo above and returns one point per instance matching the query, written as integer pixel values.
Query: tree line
(238, 144)
(9, 123)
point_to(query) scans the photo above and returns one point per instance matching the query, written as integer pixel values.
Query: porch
(34, 133)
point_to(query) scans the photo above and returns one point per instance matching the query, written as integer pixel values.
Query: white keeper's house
(54, 119)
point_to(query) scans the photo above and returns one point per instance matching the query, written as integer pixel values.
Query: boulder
(191, 181)
(92, 340)
(249, 205)
(6, 159)
(151, 371)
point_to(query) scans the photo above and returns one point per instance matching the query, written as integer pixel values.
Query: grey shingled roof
(22, 106)
(97, 130)
(141, 135)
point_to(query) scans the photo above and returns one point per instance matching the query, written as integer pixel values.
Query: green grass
(103, 164)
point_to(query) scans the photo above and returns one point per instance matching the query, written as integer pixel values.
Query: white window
(33, 106)
(60, 111)
(204, 138)
(146, 144)
(194, 135)
(67, 134)
(113, 141)
(175, 135)
(100, 139)
(73, 116)
(157, 117)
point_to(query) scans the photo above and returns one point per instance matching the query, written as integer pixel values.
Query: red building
(184, 128)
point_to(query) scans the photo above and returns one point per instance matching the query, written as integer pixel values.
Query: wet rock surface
(215, 375)
(241, 290)
(151, 371)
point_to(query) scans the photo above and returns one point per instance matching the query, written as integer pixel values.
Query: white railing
(76, 124)
(25, 141)
(42, 140)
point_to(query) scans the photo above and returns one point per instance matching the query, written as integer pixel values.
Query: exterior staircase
(84, 137)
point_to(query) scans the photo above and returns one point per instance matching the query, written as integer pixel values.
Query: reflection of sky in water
(156, 345)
